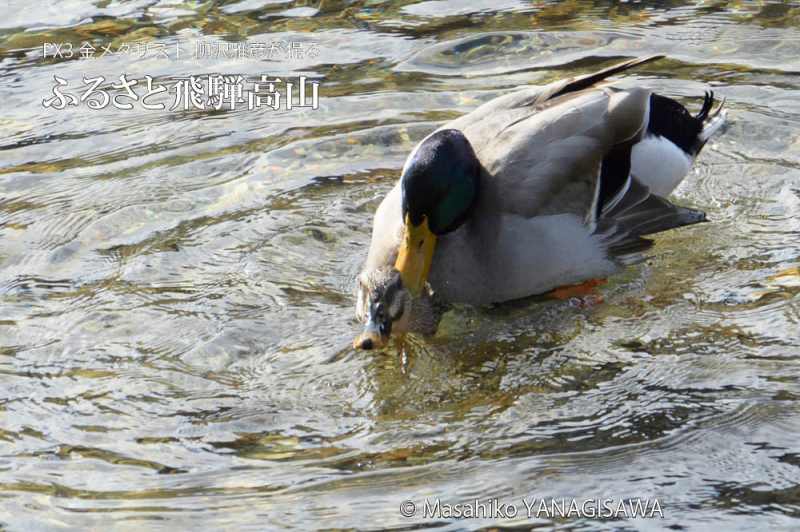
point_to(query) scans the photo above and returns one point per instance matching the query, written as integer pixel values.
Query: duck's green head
(439, 185)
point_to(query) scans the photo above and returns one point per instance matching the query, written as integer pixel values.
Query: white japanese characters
(201, 49)
(207, 92)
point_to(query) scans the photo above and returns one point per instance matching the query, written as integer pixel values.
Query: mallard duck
(540, 188)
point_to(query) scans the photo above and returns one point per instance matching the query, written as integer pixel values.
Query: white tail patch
(659, 164)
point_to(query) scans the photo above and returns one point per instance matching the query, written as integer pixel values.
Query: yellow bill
(370, 338)
(415, 255)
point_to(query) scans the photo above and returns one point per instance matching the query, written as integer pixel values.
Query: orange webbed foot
(586, 289)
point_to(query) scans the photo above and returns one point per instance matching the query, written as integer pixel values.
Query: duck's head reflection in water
(388, 308)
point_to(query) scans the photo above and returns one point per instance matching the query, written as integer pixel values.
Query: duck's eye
(383, 321)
